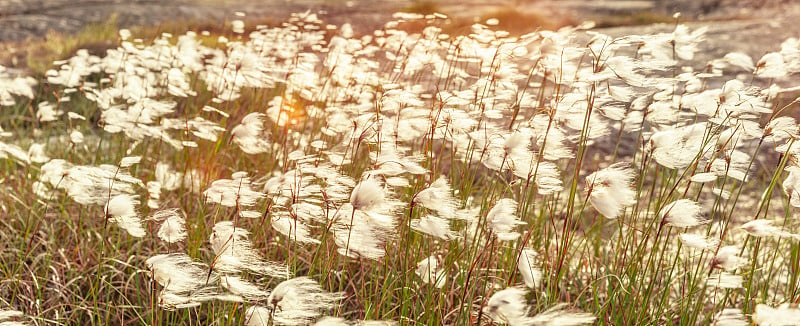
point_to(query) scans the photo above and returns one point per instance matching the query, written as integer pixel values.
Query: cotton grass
(306, 173)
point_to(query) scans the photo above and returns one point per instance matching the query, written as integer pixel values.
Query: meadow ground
(300, 172)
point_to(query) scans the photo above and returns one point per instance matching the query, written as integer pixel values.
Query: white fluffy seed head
(725, 280)
(610, 189)
(368, 193)
(235, 192)
(299, 301)
(531, 274)
(428, 270)
(129, 161)
(434, 226)
(331, 321)
(503, 219)
(121, 209)
(791, 185)
(438, 197)
(76, 137)
(560, 315)
(243, 288)
(682, 213)
(178, 273)
(507, 306)
(698, 241)
(771, 65)
(235, 252)
(785, 314)
(728, 258)
(7, 314)
(258, 316)
(121, 205)
(730, 317)
(357, 235)
(765, 228)
(173, 227)
(37, 153)
(294, 229)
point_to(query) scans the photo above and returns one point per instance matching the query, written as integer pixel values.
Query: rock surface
(24, 19)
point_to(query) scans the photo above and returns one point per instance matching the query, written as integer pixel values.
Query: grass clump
(634, 19)
(422, 7)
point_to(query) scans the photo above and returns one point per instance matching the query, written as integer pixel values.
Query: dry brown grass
(635, 19)
(37, 55)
